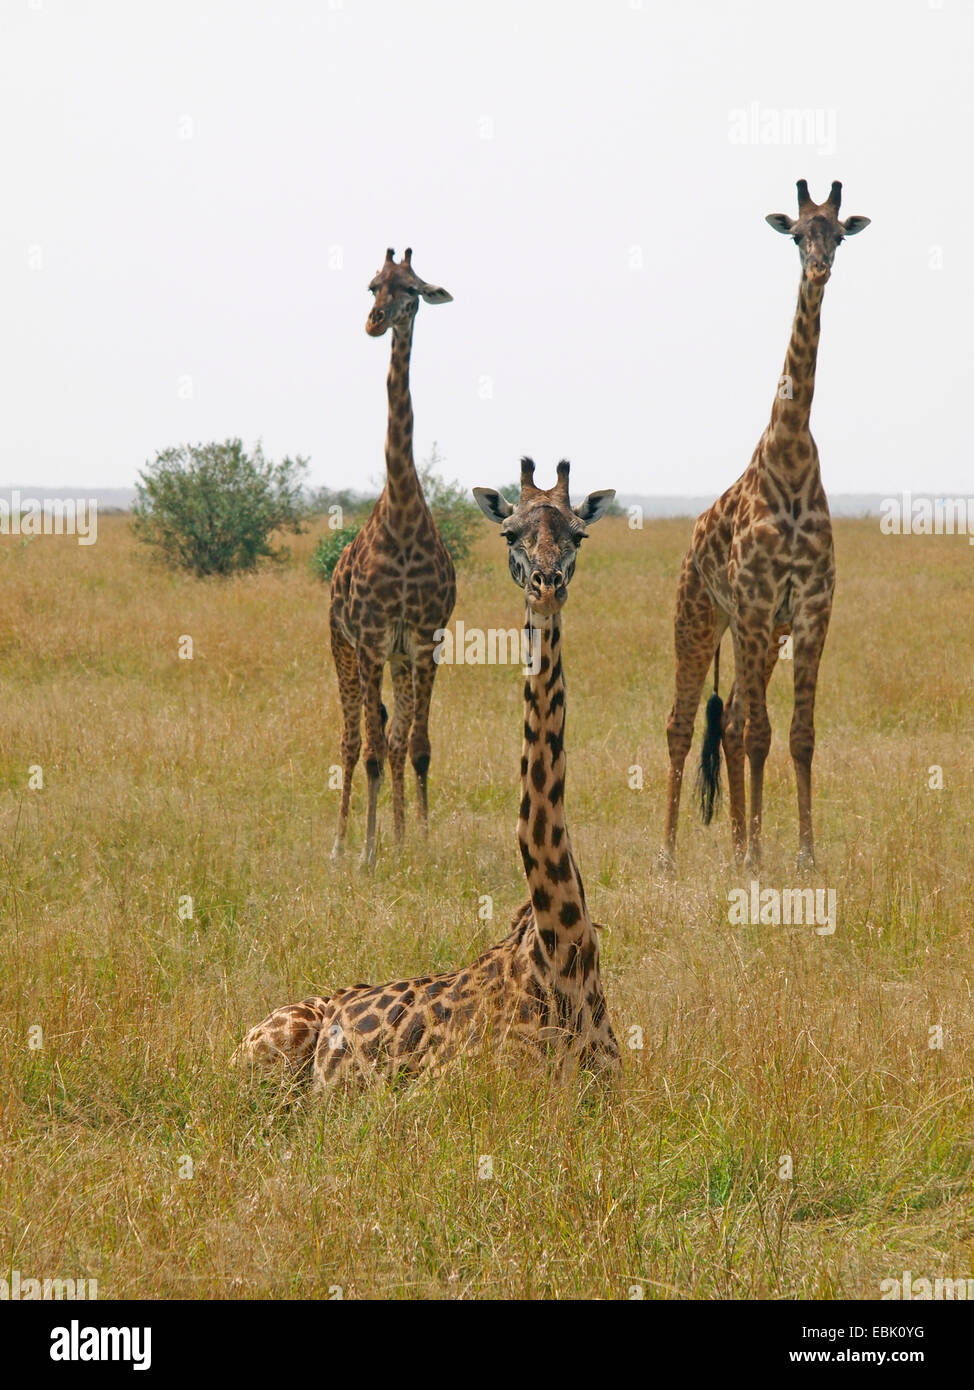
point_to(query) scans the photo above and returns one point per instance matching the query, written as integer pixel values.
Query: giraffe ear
(854, 224)
(434, 294)
(596, 504)
(781, 222)
(492, 504)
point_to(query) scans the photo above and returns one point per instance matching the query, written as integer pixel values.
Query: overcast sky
(195, 196)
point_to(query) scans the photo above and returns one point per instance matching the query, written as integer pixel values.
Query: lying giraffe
(541, 985)
(392, 588)
(761, 562)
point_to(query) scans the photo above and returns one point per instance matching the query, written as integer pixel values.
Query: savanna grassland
(209, 778)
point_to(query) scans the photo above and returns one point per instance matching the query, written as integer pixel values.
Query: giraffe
(761, 563)
(392, 588)
(540, 988)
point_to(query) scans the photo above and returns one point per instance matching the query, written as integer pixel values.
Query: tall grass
(208, 778)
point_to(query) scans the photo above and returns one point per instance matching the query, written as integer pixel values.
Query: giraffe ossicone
(541, 987)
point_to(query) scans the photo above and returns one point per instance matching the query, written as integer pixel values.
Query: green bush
(328, 549)
(456, 515)
(211, 508)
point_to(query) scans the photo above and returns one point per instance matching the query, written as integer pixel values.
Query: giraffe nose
(540, 580)
(376, 321)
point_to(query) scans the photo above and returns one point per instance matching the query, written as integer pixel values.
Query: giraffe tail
(708, 773)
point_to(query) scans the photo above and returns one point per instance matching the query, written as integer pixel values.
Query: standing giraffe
(761, 562)
(541, 985)
(392, 588)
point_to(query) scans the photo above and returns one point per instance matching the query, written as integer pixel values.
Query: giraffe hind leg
(696, 631)
(734, 754)
(733, 743)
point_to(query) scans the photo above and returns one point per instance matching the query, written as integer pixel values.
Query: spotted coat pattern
(540, 989)
(761, 563)
(391, 589)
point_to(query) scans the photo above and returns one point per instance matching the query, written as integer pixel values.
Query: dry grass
(165, 777)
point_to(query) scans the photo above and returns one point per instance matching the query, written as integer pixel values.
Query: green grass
(210, 778)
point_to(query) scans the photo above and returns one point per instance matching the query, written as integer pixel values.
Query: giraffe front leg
(424, 674)
(350, 695)
(809, 640)
(370, 679)
(402, 718)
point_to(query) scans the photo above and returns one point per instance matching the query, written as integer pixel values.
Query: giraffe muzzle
(376, 323)
(546, 592)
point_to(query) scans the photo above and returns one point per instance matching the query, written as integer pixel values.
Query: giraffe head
(817, 232)
(397, 289)
(543, 533)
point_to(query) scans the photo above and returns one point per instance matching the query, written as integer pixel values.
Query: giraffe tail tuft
(708, 773)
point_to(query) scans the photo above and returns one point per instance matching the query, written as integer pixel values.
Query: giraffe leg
(734, 722)
(350, 694)
(402, 718)
(748, 730)
(809, 640)
(370, 679)
(424, 674)
(696, 630)
(751, 656)
(733, 743)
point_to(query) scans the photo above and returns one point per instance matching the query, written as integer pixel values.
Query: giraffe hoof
(752, 862)
(337, 851)
(805, 861)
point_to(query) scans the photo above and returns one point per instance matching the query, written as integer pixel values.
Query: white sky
(523, 150)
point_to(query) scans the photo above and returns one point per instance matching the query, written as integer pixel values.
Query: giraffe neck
(403, 490)
(789, 416)
(563, 924)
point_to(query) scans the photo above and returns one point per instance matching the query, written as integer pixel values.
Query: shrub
(328, 549)
(211, 508)
(456, 515)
